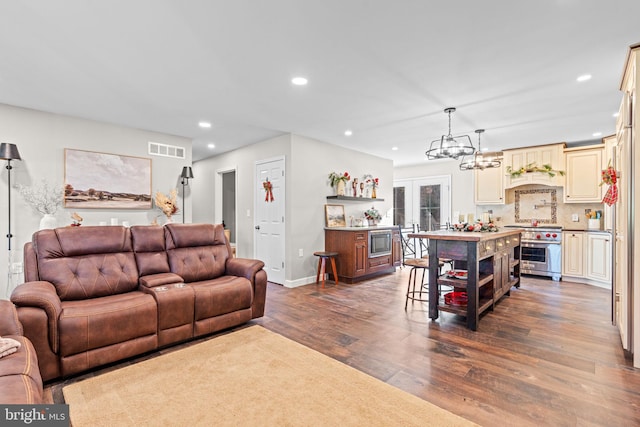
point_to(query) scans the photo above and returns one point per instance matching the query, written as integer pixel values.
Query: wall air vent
(164, 150)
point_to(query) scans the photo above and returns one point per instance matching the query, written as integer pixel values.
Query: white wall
(41, 139)
(308, 163)
(313, 160)
(243, 160)
(462, 182)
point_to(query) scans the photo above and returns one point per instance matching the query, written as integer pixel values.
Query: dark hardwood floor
(546, 356)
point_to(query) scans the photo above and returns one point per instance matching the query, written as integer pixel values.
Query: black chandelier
(449, 146)
(481, 160)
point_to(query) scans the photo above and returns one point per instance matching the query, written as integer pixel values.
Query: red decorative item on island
(456, 298)
(610, 177)
(268, 188)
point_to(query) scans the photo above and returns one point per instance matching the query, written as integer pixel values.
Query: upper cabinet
(489, 186)
(583, 170)
(534, 157)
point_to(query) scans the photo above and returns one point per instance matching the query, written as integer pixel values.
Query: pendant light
(449, 146)
(481, 160)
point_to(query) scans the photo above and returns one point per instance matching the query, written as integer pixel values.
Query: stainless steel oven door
(543, 259)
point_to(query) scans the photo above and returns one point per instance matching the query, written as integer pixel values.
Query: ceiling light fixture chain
(449, 146)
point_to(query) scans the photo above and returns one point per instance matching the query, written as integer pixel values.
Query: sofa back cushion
(86, 262)
(196, 251)
(148, 247)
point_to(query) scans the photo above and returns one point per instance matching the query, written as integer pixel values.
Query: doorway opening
(229, 204)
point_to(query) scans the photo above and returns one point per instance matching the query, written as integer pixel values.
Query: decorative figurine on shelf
(371, 183)
(354, 186)
(362, 189)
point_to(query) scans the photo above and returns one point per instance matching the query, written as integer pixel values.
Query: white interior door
(269, 219)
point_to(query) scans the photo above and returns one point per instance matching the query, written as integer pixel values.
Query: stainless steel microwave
(379, 243)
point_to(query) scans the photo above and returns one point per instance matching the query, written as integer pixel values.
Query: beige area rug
(251, 377)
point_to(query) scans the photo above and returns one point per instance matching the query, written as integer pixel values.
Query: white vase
(48, 221)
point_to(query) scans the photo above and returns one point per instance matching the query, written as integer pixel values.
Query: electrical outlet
(575, 218)
(16, 267)
(248, 212)
(300, 252)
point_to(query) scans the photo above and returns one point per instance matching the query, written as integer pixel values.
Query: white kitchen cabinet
(599, 257)
(573, 254)
(537, 156)
(489, 186)
(586, 257)
(583, 169)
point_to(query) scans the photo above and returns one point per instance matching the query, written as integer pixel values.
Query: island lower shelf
(461, 285)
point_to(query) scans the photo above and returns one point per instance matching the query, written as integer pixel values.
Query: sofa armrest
(160, 279)
(41, 295)
(243, 267)
(9, 323)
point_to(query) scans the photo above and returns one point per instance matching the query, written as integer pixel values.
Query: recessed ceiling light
(348, 132)
(299, 81)
(394, 148)
(597, 134)
(616, 114)
(584, 78)
(205, 125)
(211, 145)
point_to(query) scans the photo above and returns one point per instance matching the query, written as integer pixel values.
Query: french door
(424, 201)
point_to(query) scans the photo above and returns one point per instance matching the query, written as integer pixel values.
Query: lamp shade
(9, 152)
(186, 172)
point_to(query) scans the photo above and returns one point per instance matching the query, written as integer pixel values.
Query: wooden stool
(322, 264)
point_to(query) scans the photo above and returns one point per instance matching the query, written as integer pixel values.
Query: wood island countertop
(465, 236)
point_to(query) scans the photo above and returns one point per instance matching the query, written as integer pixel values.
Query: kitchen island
(492, 263)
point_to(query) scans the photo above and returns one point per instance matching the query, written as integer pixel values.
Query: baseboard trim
(300, 282)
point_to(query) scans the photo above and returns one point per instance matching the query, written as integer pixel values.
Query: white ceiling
(385, 69)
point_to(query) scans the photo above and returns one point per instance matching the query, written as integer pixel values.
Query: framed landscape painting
(106, 181)
(334, 216)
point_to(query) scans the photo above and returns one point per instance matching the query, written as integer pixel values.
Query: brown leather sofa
(20, 381)
(96, 295)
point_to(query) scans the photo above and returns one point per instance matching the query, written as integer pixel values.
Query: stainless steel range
(541, 251)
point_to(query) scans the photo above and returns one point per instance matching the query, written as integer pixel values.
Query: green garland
(531, 167)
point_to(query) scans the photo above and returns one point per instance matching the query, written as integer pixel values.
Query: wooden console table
(492, 262)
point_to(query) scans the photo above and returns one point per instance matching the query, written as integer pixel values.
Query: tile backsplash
(538, 202)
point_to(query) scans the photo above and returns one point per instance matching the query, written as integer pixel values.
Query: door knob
(257, 227)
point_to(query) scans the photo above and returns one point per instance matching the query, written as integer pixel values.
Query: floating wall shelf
(355, 199)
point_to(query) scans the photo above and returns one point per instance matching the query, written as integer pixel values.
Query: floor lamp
(186, 174)
(9, 152)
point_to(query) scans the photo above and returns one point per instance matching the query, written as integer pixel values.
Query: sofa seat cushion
(20, 381)
(99, 322)
(221, 296)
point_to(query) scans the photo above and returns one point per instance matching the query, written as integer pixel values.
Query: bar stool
(413, 294)
(323, 256)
